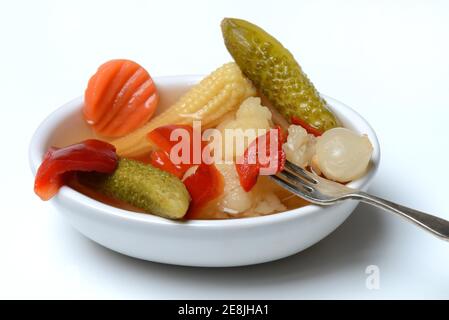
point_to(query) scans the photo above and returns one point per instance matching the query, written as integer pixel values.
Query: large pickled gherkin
(275, 72)
(143, 186)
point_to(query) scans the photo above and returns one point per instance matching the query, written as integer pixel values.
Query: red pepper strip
(160, 159)
(204, 185)
(306, 126)
(249, 168)
(89, 155)
(161, 138)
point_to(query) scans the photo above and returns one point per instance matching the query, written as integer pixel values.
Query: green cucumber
(275, 72)
(143, 186)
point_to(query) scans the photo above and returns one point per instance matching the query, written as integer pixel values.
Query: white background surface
(387, 59)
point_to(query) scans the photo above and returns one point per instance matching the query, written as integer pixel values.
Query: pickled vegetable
(216, 95)
(275, 72)
(235, 199)
(245, 125)
(297, 121)
(259, 155)
(204, 185)
(120, 97)
(143, 186)
(88, 155)
(161, 159)
(300, 146)
(343, 155)
(262, 199)
(160, 137)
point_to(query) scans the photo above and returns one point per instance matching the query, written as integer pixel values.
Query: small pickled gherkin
(143, 186)
(275, 72)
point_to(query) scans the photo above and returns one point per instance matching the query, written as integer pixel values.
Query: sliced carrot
(96, 88)
(120, 98)
(136, 119)
(127, 90)
(137, 110)
(106, 105)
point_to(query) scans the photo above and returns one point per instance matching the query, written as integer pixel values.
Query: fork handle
(437, 226)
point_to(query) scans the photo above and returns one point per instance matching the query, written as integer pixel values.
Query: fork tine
(293, 188)
(300, 172)
(296, 180)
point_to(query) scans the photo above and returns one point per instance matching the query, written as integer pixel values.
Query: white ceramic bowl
(213, 243)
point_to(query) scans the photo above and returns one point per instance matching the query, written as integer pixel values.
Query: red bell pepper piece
(161, 138)
(249, 167)
(204, 185)
(306, 126)
(89, 155)
(160, 159)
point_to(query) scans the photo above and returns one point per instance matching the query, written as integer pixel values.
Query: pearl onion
(343, 155)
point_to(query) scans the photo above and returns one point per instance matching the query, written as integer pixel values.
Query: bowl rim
(42, 133)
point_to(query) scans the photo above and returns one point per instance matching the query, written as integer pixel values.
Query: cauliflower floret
(300, 146)
(249, 122)
(260, 200)
(268, 203)
(244, 127)
(235, 199)
(252, 115)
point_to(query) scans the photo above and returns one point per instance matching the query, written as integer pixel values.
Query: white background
(387, 59)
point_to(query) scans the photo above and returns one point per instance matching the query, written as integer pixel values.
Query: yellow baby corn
(216, 95)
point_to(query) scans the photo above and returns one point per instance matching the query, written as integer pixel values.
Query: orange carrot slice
(96, 88)
(144, 97)
(120, 97)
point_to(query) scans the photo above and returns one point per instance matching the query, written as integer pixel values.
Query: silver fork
(325, 192)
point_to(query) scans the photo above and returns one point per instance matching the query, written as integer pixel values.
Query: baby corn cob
(216, 95)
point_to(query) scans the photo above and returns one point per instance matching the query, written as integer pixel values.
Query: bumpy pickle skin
(143, 186)
(275, 72)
